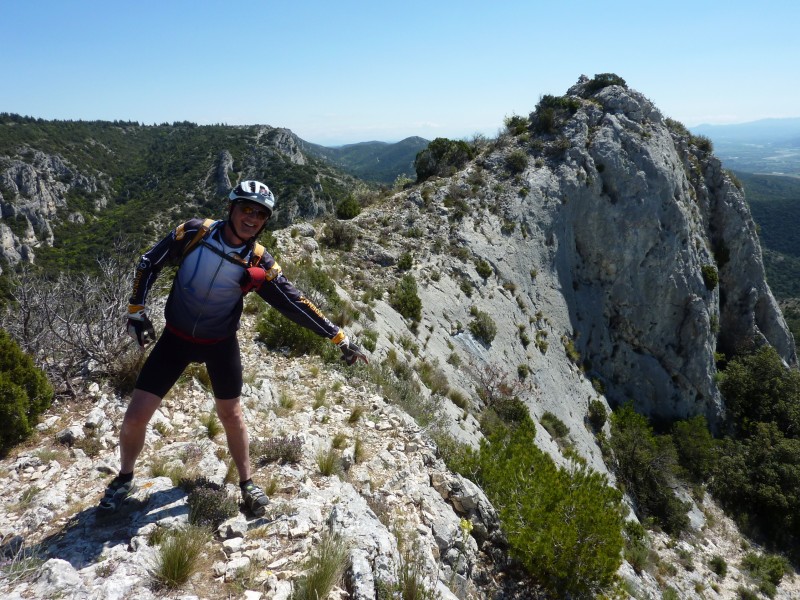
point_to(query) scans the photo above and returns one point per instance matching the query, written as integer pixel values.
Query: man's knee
(141, 408)
(230, 412)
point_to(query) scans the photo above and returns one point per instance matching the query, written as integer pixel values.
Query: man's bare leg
(134, 427)
(232, 419)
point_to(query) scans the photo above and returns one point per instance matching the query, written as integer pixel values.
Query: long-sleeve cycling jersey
(205, 302)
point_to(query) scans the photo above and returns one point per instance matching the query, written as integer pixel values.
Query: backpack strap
(258, 252)
(255, 256)
(202, 232)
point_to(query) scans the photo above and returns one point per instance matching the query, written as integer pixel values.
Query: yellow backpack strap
(201, 233)
(255, 258)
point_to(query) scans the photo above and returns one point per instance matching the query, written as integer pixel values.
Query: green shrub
(602, 80)
(758, 388)
(710, 276)
(405, 262)
(433, 377)
(510, 409)
(284, 449)
(348, 208)
(718, 565)
(766, 569)
(277, 332)
(339, 235)
(645, 464)
(369, 339)
(209, 506)
(516, 161)
(597, 414)
(516, 125)
(538, 503)
(405, 299)
(552, 111)
(697, 451)
(483, 327)
(756, 479)
(484, 269)
(554, 426)
(703, 143)
(442, 157)
(24, 393)
(637, 546)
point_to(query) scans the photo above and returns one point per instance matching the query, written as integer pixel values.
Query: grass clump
(212, 425)
(355, 414)
(178, 556)
(328, 462)
(323, 569)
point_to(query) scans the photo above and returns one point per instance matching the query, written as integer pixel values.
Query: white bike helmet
(253, 191)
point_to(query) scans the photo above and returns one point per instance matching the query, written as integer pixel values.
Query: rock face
(33, 190)
(647, 225)
(616, 237)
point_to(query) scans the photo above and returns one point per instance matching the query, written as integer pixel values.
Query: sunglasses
(249, 210)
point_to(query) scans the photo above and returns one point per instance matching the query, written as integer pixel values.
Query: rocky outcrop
(34, 187)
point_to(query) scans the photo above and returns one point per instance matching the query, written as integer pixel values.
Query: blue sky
(343, 71)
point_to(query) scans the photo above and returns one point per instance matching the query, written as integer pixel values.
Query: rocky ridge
(397, 488)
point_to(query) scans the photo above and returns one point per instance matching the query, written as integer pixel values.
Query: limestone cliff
(614, 233)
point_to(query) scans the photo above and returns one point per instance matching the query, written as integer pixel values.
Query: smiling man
(219, 263)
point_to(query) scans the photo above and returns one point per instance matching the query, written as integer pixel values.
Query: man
(219, 262)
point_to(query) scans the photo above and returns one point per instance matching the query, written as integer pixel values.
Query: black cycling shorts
(172, 354)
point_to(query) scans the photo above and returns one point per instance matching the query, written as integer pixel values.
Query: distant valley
(766, 146)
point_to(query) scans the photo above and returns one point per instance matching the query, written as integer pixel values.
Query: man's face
(248, 218)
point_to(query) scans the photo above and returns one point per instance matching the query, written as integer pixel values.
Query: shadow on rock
(83, 539)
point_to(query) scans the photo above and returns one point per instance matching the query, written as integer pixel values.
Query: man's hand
(139, 326)
(351, 352)
(252, 279)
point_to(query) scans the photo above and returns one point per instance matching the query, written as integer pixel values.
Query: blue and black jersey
(205, 303)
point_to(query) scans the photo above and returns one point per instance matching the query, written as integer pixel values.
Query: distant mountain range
(374, 161)
(765, 146)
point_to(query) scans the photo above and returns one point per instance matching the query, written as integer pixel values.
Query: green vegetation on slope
(156, 174)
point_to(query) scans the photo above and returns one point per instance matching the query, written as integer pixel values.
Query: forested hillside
(126, 178)
(775, 203)
(374, 161)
